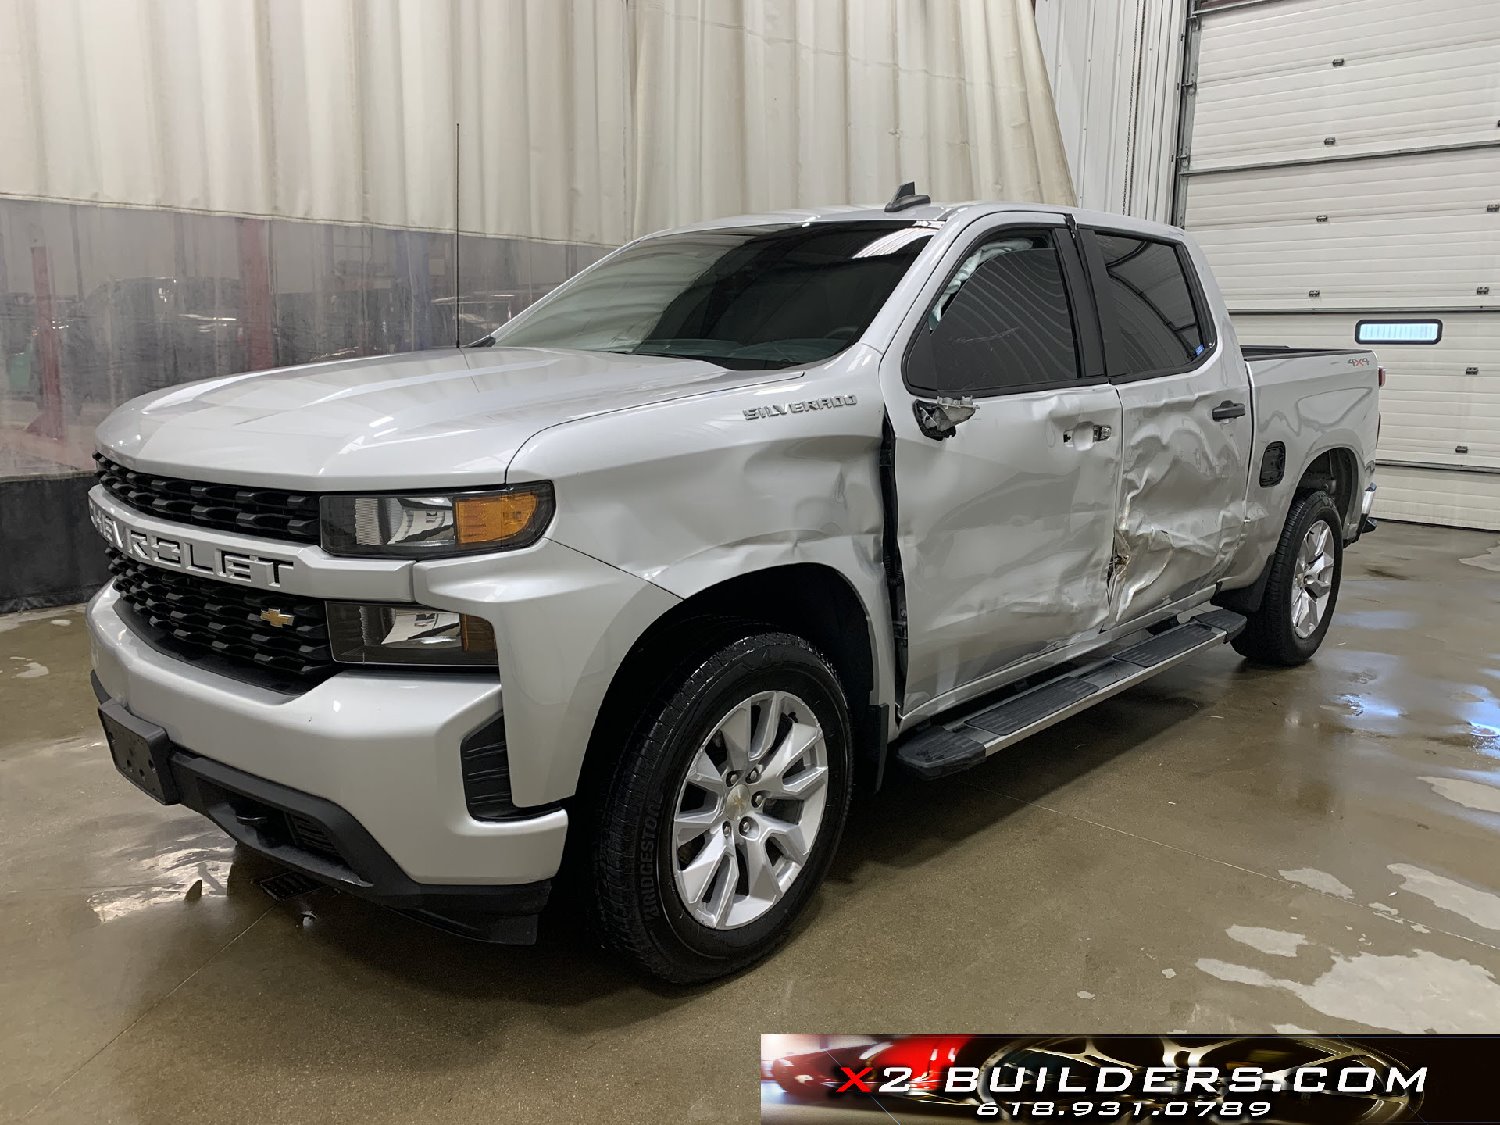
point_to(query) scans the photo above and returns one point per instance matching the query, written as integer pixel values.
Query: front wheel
(1302, 589)
(725, 811)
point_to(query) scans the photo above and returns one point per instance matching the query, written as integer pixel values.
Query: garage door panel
(1469, 338)
(1407, 100)
(1438, 441)
(1343, 154)
(1438, 261)
(1463, 182)
(1310, 34)
(1436, 428)
(1435, 496)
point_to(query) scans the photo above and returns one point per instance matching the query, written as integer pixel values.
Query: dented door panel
(1182, 486)
(1004, 532)
(1188, 420)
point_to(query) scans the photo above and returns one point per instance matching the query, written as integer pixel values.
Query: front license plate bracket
(141, 752)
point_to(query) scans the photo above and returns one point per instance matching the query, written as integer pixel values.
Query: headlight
(436, 525)
(361, 633)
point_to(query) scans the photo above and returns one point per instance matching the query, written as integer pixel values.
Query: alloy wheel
(1312, 579)
(747, 814)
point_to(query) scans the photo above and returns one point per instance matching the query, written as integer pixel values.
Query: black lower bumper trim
(322, 839)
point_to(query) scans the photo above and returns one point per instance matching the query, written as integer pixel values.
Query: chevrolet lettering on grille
(188, 556)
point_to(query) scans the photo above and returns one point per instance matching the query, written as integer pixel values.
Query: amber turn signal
(495, 518)
(477, 634)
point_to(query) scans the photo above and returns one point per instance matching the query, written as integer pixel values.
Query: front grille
(270, 512)
(199, 616)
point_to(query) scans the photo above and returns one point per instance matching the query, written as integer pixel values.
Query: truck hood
(426, 419)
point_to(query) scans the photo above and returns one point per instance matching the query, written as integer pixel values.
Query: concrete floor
(1222, 849)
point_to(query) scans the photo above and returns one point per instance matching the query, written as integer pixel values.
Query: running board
(952, 745)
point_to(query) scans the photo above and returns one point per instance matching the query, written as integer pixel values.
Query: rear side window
(1002, 322)
(1148, 294)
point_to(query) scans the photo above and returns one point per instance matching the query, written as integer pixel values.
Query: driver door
(1006, 457)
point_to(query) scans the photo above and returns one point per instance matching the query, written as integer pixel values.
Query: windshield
(741, 297)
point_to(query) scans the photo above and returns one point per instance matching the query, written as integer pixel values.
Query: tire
(1274, 634)
(652, 902)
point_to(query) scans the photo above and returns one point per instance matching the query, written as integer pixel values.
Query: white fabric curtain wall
(334, 110)
(581, 120)
(748, 105)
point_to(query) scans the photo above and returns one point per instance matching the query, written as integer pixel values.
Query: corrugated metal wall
(1114, 69)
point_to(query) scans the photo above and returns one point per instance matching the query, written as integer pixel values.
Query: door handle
(938, 419)
(1101, 433)
(1227, 410)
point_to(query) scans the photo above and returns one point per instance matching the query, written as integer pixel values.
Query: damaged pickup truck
(646, 584)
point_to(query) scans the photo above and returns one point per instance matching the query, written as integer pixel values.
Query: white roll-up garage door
(1344, 167)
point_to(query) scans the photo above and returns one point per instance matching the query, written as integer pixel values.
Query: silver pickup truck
(645, 585)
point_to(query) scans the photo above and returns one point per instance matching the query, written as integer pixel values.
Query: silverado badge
(776, 409)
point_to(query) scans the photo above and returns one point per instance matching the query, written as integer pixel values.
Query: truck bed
(1307, 400)
(1252, 352)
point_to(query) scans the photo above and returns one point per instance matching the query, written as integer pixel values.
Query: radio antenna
(458, 299)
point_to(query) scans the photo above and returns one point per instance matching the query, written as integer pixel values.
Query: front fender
(563, 622)
(691, 493)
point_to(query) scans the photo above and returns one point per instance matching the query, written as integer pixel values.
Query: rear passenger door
(1005, 457)
(1186, 426)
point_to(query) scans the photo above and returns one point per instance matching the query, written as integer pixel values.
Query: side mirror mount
(939, 418)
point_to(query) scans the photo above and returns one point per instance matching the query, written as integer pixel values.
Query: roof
(931, 212)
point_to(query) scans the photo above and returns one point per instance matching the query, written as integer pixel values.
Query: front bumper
(372, 755)
(1367, 502)
(320, 839)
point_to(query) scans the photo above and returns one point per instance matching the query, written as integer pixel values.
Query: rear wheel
(1303, 587)
(725, 810)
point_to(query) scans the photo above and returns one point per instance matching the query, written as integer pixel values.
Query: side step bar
(956, 744)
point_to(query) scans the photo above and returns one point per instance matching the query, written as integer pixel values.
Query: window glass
(741, 297)
(1152, 302)
(1398, 332)
(1002, 321)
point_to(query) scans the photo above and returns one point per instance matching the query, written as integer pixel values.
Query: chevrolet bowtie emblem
(276, 617)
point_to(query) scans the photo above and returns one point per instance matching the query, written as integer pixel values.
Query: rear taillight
(1380, 376)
